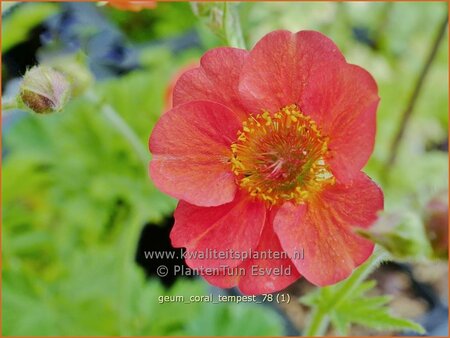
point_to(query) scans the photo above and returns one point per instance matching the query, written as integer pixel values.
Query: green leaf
(247, 319)
(74, 194)
(359, 308)
(377, 318)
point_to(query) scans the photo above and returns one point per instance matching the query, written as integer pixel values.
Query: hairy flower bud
(44, 90)
(436, 224)
(402, 234)
(75, 69)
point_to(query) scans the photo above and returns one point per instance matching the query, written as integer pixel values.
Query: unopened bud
(402, 234)
(75, 70)
(44, 90)
(436, 224)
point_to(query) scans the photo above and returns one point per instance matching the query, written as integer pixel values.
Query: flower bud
(436, 224)
(402, 234)
(75, 70)
(44, 90)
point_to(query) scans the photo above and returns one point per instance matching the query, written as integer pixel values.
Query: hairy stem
(406, 116)
(318, 323)
(134, 227)
(320, 319)
(232, 26)
(121, 127)
(9, 105)
(222, 18)
(125, 130)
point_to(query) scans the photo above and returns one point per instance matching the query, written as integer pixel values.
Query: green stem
(9, 105)
(318, 323)
(121, 127)
(124, 129)
(406, 116)
(223, 20)
(232, 26)
(130, 240)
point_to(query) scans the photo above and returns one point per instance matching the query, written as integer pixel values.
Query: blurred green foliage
(15, 28)
(166, 21)
(75, 195)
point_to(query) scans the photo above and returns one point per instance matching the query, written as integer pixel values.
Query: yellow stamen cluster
(281, 157)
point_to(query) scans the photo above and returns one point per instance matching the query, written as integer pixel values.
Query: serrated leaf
(319, 297)
(371, 312)
(360, 304)
(363, 288)
(358, 308)
(381, 320)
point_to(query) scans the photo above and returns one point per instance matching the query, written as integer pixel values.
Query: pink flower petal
(323, 229)
(343, 100)
(215, 80)
(259, 274)
(191, 151)
(270, 274)
(278, 67)
(234, 226)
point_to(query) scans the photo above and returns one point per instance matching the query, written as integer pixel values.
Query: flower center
(280, 157)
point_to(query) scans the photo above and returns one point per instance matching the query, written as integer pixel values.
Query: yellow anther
(280, 157)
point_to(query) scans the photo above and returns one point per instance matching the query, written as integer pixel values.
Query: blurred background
(79, 210)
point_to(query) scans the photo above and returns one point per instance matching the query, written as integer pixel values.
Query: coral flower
(134, 6)
(265, 149)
